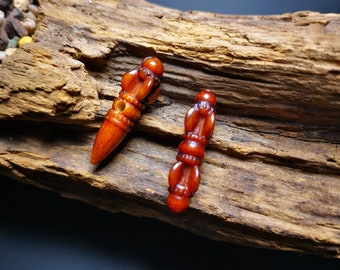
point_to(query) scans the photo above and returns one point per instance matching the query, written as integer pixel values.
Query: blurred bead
(2, 16)
(30, 25)
(4, 4)
(3, 37)
(30, 15)
(13, 26)
(2, 56)
(16, 13)
(34, 9)
(24, 40)
(3, 45)
(21, 4)
(13, 42)
(10, 51)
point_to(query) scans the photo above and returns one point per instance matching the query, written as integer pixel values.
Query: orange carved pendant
(140, 86)
(184, 175)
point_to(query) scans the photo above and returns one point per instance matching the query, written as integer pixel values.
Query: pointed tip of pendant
(96, 157)
(93, 160)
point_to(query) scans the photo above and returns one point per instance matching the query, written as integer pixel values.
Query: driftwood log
(271, 173)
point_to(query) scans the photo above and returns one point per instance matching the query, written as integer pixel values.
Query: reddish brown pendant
(140, 86)
(184, 175)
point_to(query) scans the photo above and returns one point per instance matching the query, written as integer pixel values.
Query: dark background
(255, 7)
(40, 230)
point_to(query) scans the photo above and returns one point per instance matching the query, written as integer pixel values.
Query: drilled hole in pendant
(120, 105)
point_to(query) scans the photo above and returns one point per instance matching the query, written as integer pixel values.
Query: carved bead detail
(137, 86)
(184, 175)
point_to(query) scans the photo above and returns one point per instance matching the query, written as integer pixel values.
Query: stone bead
(34, 9)
(5, 4)
(30, 15)
(2, 16)
(3, 45)
(21, 4)
(13, 42)
(2, 56)
(30, 25)
(10, 51)
(24, 40)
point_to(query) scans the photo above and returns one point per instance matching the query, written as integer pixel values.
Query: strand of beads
(18, 22)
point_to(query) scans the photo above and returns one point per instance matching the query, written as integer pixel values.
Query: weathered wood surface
(270, 176)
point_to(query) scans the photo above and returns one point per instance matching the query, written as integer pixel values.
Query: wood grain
(270, 176)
